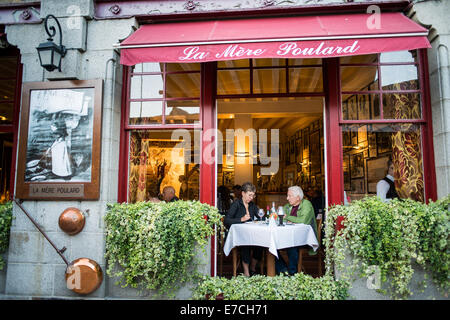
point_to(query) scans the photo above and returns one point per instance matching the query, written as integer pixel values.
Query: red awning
(281, 37)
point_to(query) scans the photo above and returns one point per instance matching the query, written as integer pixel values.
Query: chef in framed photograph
(60, 140)
(59, 144)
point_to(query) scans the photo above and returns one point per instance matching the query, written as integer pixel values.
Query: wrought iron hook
(51, 31)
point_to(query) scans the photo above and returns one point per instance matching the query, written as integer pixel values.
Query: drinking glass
(261, 214)
(280, 215)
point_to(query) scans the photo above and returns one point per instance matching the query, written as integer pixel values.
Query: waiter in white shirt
(386, 187)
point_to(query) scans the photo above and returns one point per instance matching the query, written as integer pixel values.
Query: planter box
(3, 273)
(114, 291)
(365, 288)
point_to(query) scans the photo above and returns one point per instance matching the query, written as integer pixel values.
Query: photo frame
(346, 170)
(357, 165)
(305, 135)
(384, 142)
(345, 110)
(372, 142)
(352, 108)
(363, 107)
(299, 149)
(315, 153)
(60, 140)
(375, 106)
(357, 186)
(362, 134)
(376, 170)
(346, 139)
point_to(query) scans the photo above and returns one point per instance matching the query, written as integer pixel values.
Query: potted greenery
(390, 243)
(282, 287)
(154, 246)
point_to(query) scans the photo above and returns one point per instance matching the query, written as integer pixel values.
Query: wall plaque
(56, 190)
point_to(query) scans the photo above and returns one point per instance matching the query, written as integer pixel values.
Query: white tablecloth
(260, 234)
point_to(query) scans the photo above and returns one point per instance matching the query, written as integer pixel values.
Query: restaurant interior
(280, 102)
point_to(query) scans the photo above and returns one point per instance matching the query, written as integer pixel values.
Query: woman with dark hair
(241, 211)
(223, 199)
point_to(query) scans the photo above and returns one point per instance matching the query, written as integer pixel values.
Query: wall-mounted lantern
(50, 54)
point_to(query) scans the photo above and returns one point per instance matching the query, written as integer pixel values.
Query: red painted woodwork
(124, 140)
(429, 171)
(208, 168)
(16, 123)
(321, 36)
(335, 178)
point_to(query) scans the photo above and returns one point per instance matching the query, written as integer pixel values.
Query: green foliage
(282, 287)
(391, 236)
(5, 226)
(154, 243)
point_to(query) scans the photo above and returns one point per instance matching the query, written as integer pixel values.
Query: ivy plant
(6, 217)
(154, 244)
(390, 235)
(282, 287)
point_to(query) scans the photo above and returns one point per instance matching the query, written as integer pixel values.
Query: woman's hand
(246, 217)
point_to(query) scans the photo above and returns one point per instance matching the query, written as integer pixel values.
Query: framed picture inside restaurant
(372, 139)
(358, 185)
(362, 134)
(60, 137)
(346, 170)
(305, 135)
(363, 107)
(376, 170)
(357, 165)
(384, 143)
(353, 108)
(315, 152)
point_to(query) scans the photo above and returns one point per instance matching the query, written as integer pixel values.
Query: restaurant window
(160, 158)
(381, 121)
(164, 94)
(276, 103)
(10, 79)
(163, 129)
(269, 77)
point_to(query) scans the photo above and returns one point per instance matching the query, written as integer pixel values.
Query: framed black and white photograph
(357, 165)
(59, 148)
(357, 186)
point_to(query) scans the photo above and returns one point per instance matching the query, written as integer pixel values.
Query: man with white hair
(298, 210)
(169, 194)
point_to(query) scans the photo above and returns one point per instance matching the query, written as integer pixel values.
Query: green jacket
(305, 215)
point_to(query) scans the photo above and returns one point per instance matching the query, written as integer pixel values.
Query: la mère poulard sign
(59, 147)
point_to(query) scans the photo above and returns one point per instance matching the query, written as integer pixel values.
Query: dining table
(270, 236)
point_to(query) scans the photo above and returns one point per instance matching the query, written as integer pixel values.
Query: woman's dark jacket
(237, 211)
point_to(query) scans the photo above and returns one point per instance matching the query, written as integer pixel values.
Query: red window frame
(14, 126)
(207, 122)
(334, 112)
(287, 67)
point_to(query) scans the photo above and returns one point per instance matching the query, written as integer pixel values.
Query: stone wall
(34, 268)
(435, 15)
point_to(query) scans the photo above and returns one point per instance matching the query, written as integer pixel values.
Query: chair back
(319, 230)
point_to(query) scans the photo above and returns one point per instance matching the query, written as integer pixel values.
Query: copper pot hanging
(83, 276)
(71, 221)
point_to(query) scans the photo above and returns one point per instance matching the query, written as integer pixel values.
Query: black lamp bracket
(51, 31)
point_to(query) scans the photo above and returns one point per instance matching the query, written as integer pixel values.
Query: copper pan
(71, 221)
(83, 276)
